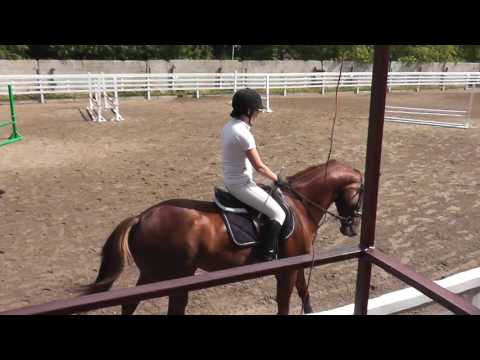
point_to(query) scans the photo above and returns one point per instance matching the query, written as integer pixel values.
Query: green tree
(469, 53)
(13, 51)
(424, 53)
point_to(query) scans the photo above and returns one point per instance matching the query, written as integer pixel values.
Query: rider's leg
(260, 200)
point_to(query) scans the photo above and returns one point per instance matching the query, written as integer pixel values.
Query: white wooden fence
(42, 85)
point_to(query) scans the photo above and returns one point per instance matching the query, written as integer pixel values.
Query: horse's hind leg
(302, 290)
(129, 309)
(177, 304)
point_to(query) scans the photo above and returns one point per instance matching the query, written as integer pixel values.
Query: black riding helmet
(245, 100)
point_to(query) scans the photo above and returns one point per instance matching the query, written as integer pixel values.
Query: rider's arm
(254, 158)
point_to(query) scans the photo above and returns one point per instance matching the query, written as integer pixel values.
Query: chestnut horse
(176, 237)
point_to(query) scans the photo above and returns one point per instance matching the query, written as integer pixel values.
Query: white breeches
(257, 198)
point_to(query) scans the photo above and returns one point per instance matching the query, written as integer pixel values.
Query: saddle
(244, 223)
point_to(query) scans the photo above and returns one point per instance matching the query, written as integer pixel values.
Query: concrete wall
(435, 67)
(93, 66)
(205, 66)
(158, 66)
(26, 67)
(18, 67)
(279, 66)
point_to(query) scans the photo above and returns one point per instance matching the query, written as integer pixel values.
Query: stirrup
(269, 256)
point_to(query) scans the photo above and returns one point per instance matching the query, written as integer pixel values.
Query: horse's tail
(114, 255)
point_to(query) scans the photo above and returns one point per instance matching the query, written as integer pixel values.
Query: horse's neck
(312, 214)
(322, 189)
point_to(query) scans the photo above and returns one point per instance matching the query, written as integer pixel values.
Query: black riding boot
(270, 240)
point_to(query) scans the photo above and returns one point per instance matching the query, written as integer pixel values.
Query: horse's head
(349, 204)
(319, 185)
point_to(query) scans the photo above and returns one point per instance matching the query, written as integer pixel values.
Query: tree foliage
(359, 53)
(13, 51)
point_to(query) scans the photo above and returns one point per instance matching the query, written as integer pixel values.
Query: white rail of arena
(147, 83)
(409, 298)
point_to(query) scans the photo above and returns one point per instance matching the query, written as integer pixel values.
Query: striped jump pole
(15, 136)
(403, 115)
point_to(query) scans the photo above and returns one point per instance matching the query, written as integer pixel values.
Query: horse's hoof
(307, 309)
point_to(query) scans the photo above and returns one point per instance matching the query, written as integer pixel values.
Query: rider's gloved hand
(281, 182)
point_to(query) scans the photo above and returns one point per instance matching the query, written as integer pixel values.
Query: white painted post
(149, 89)
(103, 89)
(323, 83)
(99, 103)
(469, 123)
(418, 83)
(197, 92)
(42, 96)
(116, 110)
(467, 81)
(357, 91)
(235, 79)
(90, 95)
(284, 86)
(267, 86)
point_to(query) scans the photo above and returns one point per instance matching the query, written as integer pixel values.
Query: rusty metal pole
(372, 174)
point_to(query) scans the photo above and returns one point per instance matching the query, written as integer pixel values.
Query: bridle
(345, 220)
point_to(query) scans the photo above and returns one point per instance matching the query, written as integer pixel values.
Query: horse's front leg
(285, 283)
(302, 290)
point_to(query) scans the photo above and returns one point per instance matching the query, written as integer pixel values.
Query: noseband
(349, 220)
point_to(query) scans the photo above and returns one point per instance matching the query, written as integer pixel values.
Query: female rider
(240, 154)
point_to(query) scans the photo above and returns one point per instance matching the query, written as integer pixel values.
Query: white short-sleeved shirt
(236, 140)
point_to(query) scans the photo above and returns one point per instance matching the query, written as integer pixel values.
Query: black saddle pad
(244, 229)
(241, 228)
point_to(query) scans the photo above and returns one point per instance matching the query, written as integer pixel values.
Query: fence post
(42, 96)
(98, 92)
(149, 96)
(284, 85)
(372, 171)
(357, 91)
(235, 79)
(323, 83)
(443, 80)
(90, 99)
(467, 81)
(197, 92)
(469, 123)
(267, 86)
(69, 87)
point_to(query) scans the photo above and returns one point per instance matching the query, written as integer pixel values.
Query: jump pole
(15, 136)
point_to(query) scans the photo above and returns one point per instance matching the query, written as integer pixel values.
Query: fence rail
(147, 83)
(451, 301)
(169, 287)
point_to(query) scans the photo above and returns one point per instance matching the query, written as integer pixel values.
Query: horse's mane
(308, 174)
